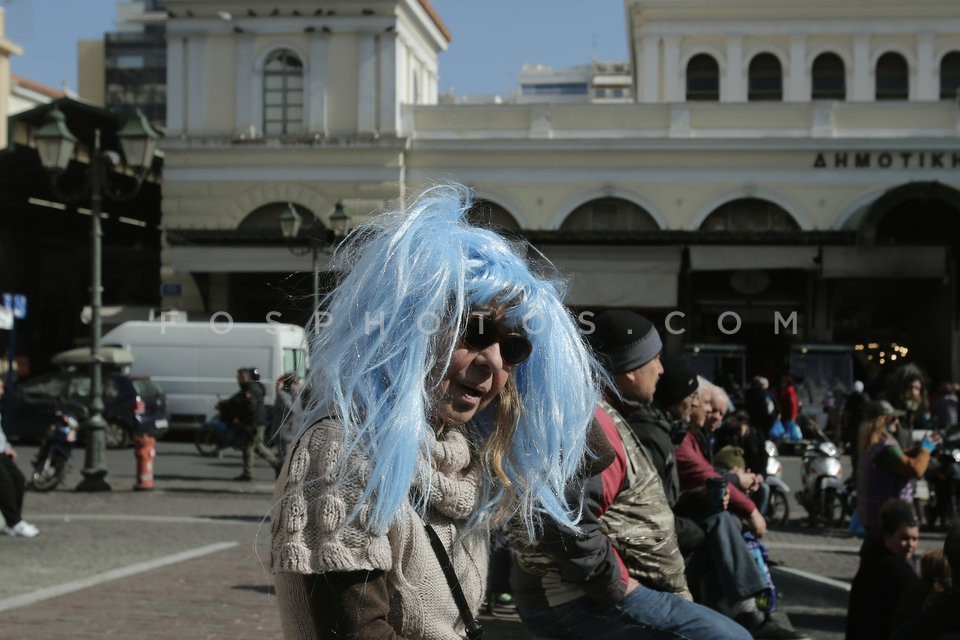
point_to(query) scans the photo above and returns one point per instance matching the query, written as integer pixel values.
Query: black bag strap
(474, 629)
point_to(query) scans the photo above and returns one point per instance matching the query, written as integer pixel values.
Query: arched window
(703, 78)
(490, 215)
(893, 79)
(950, 76)
(610, 214)
(766, 78)
(750, 214)
(829, 78)
(282, 93)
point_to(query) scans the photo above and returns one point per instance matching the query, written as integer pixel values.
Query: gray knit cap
(625, 340)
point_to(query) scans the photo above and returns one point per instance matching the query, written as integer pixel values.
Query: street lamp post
(55, 144)
(290, 225)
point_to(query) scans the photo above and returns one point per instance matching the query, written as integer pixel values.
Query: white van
(196, 362)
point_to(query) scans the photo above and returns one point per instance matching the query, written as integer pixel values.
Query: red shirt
(694, 469)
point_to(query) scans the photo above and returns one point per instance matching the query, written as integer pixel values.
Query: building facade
(7, 48)
(127, 69)
(785, 172)
(597, 82)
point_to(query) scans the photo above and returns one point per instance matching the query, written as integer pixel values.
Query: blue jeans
(643, 613)
(761, 498)
(723, 569)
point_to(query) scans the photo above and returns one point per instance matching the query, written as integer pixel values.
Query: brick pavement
(221, 596)
(227, 594)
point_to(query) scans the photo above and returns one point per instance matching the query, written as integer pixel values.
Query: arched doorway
(917, 213)
(253, 293)
(907, 294)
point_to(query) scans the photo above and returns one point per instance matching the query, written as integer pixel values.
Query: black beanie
(624, 340)
(677, 382)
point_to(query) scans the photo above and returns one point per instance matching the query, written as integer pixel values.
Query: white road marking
(125, 517)
(800, 546)
(839, 584)
(114, 574)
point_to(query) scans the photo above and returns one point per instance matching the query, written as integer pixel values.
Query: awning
(739, 257)
(605, 276)
(599, 276)
(884, 262)
(206, 259)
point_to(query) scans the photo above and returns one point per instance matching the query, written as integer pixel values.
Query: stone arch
(715, 75)
(912, 213)
(609, 214)
(850, 217)
(949, 82)
(827, 90)
(749, 214)
(488, 214)
(265, 220)
(844, 54)
(759, 85)
(241, 205)
(802, 220)
(508, 207)
(775, 51)
(891, 81)
(272, 48)
(713, 52)
(571, 205)
(903, 50)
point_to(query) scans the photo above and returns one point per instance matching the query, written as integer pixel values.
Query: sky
(491, 38)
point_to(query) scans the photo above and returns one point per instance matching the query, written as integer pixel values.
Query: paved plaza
(187, 560)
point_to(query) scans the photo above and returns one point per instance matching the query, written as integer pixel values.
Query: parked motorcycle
(943, 480)
(823, 493)
(51, 461)
(778, 509)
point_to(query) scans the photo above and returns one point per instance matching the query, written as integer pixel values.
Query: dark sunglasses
(481, 332)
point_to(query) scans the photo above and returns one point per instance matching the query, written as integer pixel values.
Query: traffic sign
(19, 306)
(15, 304)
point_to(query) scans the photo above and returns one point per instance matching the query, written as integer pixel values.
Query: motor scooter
(823, 493)
(215, 436)
(943, 480)
(778, 508)
(52, 459)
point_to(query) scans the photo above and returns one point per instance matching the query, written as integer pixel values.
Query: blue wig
(409, 280)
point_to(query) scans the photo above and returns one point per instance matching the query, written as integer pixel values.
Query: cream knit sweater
(310, 534)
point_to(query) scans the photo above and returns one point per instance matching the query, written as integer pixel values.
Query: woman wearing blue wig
(452, 392)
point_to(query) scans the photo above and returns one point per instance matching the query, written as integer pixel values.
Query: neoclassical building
(790, 169)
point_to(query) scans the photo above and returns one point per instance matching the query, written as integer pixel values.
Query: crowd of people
(474, 409)
(623, 492)
(453, 401)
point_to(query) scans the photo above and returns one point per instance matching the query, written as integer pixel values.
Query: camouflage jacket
(626, 529)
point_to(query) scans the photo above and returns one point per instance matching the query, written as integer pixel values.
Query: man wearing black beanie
(629, 347)
(658, 394)
(622, 575)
